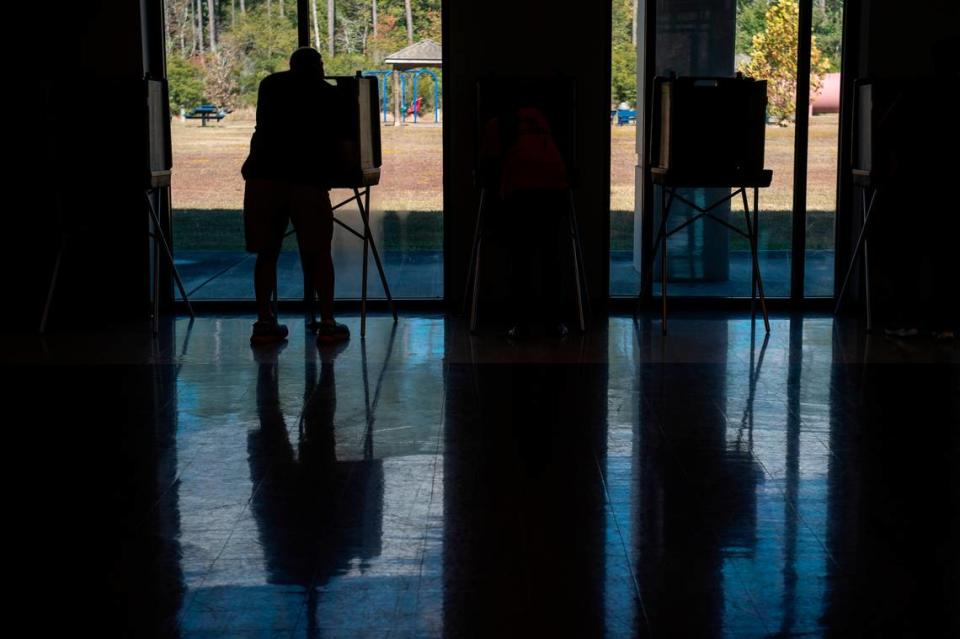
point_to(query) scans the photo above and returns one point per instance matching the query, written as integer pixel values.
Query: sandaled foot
(268, 333)
(331, 332)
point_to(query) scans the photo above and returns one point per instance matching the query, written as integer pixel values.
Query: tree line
(766, 45)
(219, 50)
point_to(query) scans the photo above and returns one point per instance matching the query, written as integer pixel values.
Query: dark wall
(80, 149)
(909, 263)
(897, 40)
(530, 38)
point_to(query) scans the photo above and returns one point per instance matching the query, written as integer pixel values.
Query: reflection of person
(534, 187)
(296, 491)
(291, 154)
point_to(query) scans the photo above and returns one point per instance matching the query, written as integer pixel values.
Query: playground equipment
(382, 77)
(406, 106)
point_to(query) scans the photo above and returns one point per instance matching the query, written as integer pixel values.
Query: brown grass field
(207, 164)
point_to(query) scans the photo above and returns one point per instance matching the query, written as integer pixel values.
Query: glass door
(761, 39)
(217, 54)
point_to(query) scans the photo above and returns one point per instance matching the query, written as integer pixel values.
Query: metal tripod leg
(579, 271)
(364, 205)
(363, 276)
(159, 237)
(476, 287)
(159, 240)
(577, 275)
(866, 210)
(473, 251)
(756, 280)
(53, 285)
(665, 205)
(661, 234)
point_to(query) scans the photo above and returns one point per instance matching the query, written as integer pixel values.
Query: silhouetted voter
(523, 158)
(294, 146)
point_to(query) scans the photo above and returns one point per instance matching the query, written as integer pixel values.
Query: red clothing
(531, 161)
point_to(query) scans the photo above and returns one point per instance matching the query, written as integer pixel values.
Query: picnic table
(206, 112)
(626, 116)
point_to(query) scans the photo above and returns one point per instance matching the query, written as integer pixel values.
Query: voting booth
(502, 101)
(144, 158)
(708, 132)
(359, 168)
(897, 146)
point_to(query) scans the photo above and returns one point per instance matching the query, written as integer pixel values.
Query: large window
(710, 38)
(218, 52)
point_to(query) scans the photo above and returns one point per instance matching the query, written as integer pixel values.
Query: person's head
(307, 61)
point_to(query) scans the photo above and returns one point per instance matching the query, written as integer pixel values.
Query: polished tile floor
(426, 483)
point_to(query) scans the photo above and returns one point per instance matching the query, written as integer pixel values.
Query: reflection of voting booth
(358, 169)
(708, 133)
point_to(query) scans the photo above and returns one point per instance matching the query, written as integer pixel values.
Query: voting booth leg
(666, 201)
(476, 287)
(160, 241)
(753, 234)
(364, 269)
(364, 205)
(471, 272)
(53, 285)
(665, 204)
(579, 275)
(583, 293)
(866, 208)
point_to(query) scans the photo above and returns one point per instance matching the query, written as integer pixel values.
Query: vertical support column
(644, 203)
(799, 244)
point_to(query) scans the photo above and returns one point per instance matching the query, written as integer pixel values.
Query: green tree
(623, 85)
(623, 71)
(751, 16)
(185, 84)
(260, 44)
(773, 58)
(828, 29)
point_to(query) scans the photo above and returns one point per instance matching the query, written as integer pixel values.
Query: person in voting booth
(533, 188)
(297, 140)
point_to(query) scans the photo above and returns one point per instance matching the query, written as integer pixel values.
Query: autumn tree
(773, 57)
(221, 78)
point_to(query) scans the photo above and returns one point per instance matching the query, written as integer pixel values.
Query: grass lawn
(208, 189)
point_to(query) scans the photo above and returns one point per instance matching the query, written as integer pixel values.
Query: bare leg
(320, 267)
(264, 284)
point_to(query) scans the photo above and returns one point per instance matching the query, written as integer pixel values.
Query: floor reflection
(426, 483)
(524, 507)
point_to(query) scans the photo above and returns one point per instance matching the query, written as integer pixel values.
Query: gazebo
(417, 57)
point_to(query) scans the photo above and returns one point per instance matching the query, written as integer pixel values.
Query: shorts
(269, 204)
